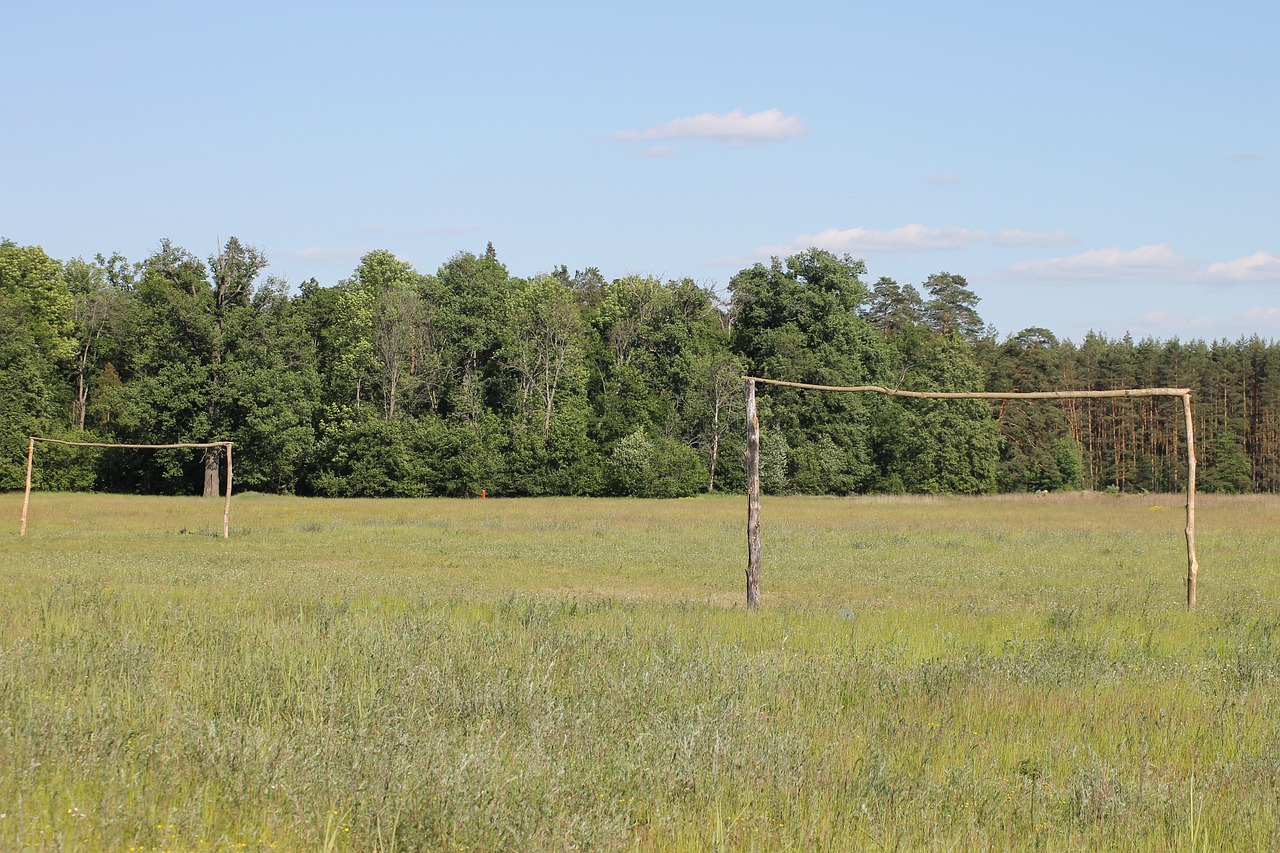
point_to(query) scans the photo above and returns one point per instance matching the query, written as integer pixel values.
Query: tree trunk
(82, 399)
(715, 455)
(26, 496)
(226, 506)
(1193, 567)
(212, 461)
(754, 548)
(715, 439)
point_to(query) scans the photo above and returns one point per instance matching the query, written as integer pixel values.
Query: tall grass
(581, 674)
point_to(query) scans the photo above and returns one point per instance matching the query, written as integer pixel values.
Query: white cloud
(1261, 320)
(911, 238)
(316, 255)
(733, 128)
(1156, 262)
(1144, 262)
(1260, 266)
(655, 152)
(908, 238)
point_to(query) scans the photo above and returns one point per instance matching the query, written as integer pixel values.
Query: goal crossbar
(754, 548)
(31, 452)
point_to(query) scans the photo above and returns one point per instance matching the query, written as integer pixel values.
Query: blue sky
(1087, 166)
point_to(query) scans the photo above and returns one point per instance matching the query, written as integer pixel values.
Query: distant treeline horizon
(395, 382)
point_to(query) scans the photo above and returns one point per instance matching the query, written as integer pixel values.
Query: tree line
(394, 382)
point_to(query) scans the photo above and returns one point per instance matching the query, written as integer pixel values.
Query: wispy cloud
(316, 255)
(1142, 263)
(732, 128)
(1156, 262)
(908, 238)
(1260, 320)
(946, 180)
(372, 228)
(1260, 266)
(1246, 157)
(912, 238)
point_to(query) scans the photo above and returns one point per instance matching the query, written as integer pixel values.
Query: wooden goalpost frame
(755, 549)
(31, 452)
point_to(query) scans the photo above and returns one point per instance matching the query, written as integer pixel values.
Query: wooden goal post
(31, 452)
(754, 547)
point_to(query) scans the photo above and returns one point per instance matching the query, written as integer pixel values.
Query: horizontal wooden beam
(142, 446)
(983, 395)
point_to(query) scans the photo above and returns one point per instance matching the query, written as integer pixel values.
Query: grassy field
(997, 673)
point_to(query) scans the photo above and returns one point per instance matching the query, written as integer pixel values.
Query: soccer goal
(755, 548)
(31, 455)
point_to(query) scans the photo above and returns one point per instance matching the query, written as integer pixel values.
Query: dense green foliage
(395, 382)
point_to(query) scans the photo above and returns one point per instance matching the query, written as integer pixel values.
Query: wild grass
(581, 674)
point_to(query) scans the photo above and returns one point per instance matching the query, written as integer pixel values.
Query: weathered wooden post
(754, 549)
(26, 496)
(1192, 567)
(226, 507)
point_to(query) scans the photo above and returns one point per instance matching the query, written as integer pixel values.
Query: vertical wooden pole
(226, 507)
(26, 496)
(1192, 567)
(754, 549)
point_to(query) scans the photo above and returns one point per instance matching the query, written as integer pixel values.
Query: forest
(394, 382)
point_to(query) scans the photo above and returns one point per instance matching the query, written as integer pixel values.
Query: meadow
(560, 674)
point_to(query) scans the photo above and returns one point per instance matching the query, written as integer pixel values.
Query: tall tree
(719, 405)
(385, 290)
(953, 307)
(233, 268)
(475, 291)
(35, 287)
(1038, 452)
(894, 309)
(198, 335)
(37, 339)
(936, 446)
(543, 345)
(269, 390)
(800, 320)
(649, 358)
(100, 293)
(167, 377)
